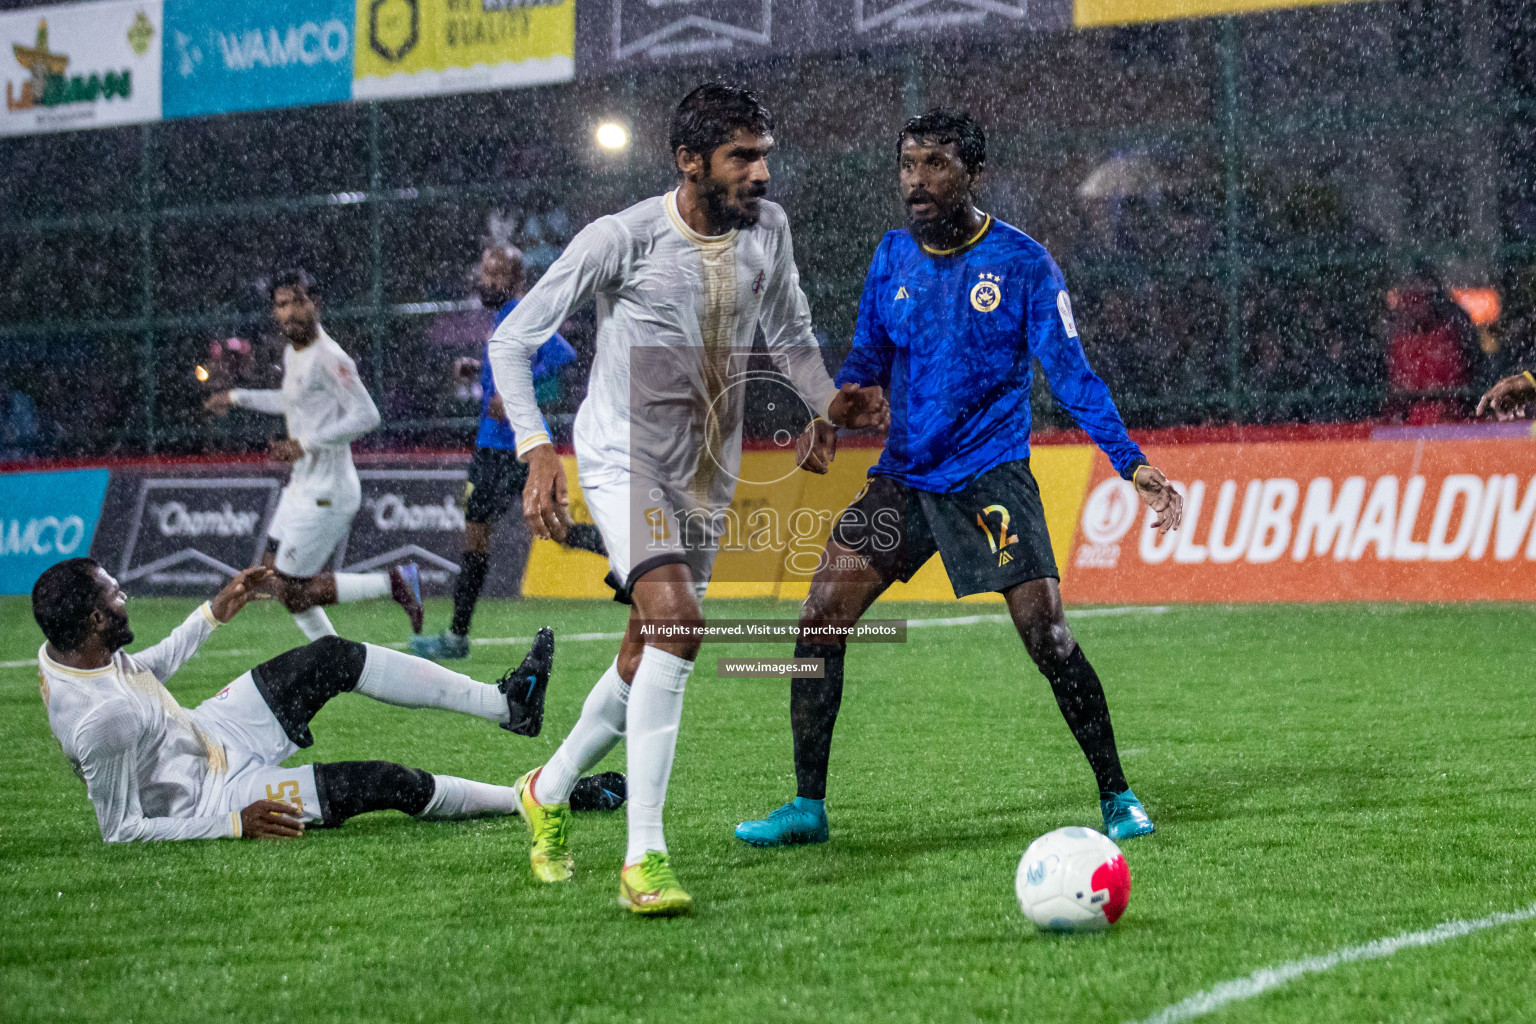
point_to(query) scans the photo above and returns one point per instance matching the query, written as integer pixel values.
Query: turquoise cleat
(439, 647)
(1124, 817)
(797, 822)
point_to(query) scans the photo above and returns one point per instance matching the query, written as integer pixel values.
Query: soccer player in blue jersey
(956, 308)
(496, 478)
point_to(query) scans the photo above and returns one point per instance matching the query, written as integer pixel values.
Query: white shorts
(255, 746)
(643, 534)
(307, 530)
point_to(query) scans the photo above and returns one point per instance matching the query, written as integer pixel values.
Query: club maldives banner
(429, 47)
(1334, 521)
(1306, 522)
(80, 66)
(46, 518)
(254, 54)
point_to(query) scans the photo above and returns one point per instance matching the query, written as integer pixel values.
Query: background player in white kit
(156, 770)
(327, 408)
(682, 282)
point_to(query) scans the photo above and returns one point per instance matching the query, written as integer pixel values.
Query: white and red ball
(1073, 880)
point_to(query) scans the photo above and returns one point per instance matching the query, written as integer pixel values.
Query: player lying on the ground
(326, 408)
(156, 770)
(955, 308)
(682, 281)
(496, 477)
(1511, 398)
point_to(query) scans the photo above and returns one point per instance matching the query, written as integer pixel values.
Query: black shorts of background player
(496, 477)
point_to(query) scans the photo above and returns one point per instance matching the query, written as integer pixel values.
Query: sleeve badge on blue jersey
(1064, 307)
(987, 294)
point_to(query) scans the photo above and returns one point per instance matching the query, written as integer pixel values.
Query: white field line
(1264, 979)
(953, 620)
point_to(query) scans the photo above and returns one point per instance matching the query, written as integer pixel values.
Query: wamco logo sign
(302, 45)
(46, 535)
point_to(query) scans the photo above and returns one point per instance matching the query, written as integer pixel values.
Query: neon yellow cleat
(650, 887)
(551, 853)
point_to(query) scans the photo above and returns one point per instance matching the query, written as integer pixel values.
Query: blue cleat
(1124, 817)
(439, 647)
(405, 590)
(797, 822)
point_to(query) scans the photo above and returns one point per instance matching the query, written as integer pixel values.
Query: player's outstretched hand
(816, 446)
(860, 408)
(286, 451)
(1509, 398)
(270, 819)
(546, 496)
(247, 585)
(219, 403)
(1158, 494)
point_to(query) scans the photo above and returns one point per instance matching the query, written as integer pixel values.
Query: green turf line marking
(1264, 979)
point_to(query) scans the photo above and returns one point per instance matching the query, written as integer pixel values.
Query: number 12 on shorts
(999, 544)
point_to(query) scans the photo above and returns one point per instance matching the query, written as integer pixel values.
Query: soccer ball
(1073, 880)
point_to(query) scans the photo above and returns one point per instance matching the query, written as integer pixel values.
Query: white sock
(314, 623)
(655, 711)
(361, 586)
(454, 797)
(395, 678)
(595, 733)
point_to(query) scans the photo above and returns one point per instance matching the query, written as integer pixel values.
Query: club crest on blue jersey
(987, 294)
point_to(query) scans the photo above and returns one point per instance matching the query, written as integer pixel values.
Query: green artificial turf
(1320, 777)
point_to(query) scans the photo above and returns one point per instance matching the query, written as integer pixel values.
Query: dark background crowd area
(1311, 216)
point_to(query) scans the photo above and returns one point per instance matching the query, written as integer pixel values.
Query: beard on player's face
(492, 296)
(732, 205)
(115, 634)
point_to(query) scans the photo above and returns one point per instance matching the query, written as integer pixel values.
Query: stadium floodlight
(612, 136)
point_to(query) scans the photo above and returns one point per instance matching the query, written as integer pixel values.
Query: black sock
(813, 706)
(349, 788)
(472, 565)
(297, 683)
(1080, 696)
(584, 537)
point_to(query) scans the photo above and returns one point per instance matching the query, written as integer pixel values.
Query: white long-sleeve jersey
(327, 408)
(676, 316)
(150, 768)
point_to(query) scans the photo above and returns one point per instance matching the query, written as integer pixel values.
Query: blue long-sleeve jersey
(952, 337)
(553, 354)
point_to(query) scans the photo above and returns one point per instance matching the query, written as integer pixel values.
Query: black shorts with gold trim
(991, 534)
(495, 483)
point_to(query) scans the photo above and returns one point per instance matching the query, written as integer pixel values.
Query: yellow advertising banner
(430, 47)
(808, 506)
(1091, 13)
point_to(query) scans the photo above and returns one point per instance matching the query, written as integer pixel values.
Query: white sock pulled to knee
(595, 733)
(400, 679)
(361, 586)
(314, 623)
(655, 712)
(454, 797)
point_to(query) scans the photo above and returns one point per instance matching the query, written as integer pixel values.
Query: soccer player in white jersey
(327, 408)
(682, 283)
(156, 770)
